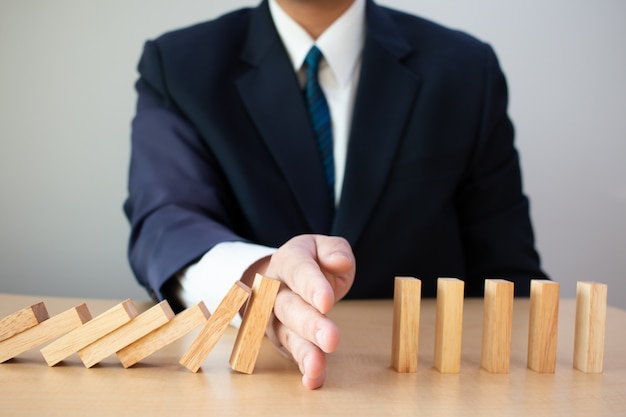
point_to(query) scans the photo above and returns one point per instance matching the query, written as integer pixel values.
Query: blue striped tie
(320, 116)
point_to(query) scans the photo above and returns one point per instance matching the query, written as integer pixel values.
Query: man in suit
(226, 179)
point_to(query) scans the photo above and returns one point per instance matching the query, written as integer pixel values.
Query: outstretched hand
(315, 271)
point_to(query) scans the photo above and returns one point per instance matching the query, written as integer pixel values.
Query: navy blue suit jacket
(222, 150)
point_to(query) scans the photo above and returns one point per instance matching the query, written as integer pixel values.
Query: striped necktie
(320, 116)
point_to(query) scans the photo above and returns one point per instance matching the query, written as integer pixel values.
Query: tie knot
(313, 59)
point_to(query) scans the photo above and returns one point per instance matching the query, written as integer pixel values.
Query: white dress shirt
(341, 44)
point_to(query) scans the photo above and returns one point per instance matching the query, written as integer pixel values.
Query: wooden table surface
(360, 381)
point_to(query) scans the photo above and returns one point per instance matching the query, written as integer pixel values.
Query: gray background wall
(67, 69)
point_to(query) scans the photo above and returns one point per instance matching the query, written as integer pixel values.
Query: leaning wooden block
(183, 323)
(591, 298)
(255, 320)
(22, 320)
(497, 325)
(215, 327)
(123, 336)
(44, 332)
(89, 332)
(406, 322)
(449, 325)
(543, 325)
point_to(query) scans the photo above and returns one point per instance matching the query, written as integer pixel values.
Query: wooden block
(89, 332)
(497, 325)
(183, 323)
(591, 299)
(22, 320)
(543, 325)
(123, 336)
(406, 322)
(449, 325)
(44, 332)
(255, 320)
(215, 327)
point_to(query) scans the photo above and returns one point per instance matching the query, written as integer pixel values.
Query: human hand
(315, 271)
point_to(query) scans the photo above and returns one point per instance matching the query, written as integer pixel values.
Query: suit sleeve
(493, 210)
(176, 194)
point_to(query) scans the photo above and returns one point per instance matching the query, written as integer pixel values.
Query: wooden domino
(255, 320)
(591, 299)
(183, 323)
(44, 332)
(123, 336)
(406, 317)
(543, 325)
(22, 320)
(215, 326)
(449, 325)
(89, 332)
(497, 325)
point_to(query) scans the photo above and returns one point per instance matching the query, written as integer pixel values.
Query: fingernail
(321, 337)
(305, 362)
(317, 300)
(339, 254)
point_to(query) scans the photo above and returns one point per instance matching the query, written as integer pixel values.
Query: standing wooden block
(44, 332)
(215, 327)
(183, 323)
(543, 325)
(89, 332)
(255, 320)
(590, 326)
(22, 320)
(449, 325)
(497, 325)
(407, 295)
(123, 336)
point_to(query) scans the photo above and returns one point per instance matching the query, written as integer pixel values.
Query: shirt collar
(341, 43)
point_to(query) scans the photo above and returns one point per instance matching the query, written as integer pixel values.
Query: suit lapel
(271, 95)
(384, 101)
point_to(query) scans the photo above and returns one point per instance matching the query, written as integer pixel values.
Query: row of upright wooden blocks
(133, 337)
(591, 303)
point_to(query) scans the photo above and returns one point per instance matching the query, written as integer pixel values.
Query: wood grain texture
(22, 319)
(255, 320)
(89, 332)
(44, 332)
(591, 301)
(406, 322)
(449, 325)
(215, 326)
(543, 325)
(183, 323)
(126, 334)
(497, 325)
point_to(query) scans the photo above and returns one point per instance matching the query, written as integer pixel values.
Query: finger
(310, 359)
(295, 263)
(313, 383)
(334, 250)
(337, 263)
(296, 314)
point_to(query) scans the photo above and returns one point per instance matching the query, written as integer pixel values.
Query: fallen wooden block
(591, 299)
(22, 320)
(89, 332)
(406, 322)
(215, 326)
(497, 325)
(44, 332)
(256, 317)
(449, 325)
(543, 325)
(123, 336)
(183, 323)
